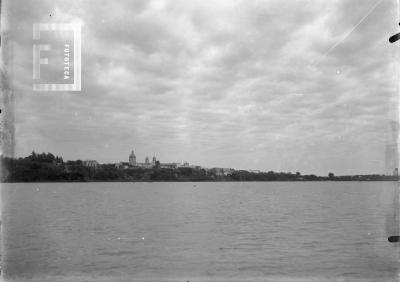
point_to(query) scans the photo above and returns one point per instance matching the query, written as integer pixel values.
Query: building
(123, 165)
(146, 164)
(169, 165)
(133, 163)
(132, 159)
(91, 163)
(228, 171)
(396, 172)
(154, 163)
(219, 171)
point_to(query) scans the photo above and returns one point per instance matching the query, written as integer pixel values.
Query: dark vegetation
(46, 167)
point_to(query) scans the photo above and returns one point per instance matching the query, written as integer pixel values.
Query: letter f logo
(37, 48)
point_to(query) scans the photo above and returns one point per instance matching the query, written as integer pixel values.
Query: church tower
(153, 162)
(132, 159)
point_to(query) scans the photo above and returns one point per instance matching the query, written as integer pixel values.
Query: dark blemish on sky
(394, 38)
(394, 239)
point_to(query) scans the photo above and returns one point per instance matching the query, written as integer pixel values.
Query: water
(264, 231)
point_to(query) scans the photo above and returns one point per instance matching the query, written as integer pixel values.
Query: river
(219, 231)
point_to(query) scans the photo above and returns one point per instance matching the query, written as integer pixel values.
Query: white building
(169, 165)
(91, 163)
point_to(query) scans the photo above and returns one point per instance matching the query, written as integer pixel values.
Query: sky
(306, 85)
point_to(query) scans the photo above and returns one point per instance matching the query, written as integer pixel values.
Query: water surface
(251, 231)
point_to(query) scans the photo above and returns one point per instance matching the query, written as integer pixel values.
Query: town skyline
(46, 167)
(154, 161)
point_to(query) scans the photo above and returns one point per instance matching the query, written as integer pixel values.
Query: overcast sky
(269, 85)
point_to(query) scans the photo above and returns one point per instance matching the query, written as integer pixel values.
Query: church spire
(132, 159)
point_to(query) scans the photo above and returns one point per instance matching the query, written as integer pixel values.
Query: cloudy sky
(303, 85)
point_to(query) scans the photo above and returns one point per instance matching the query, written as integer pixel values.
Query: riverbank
(50, 168)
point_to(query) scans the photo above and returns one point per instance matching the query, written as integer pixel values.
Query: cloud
(229, 83)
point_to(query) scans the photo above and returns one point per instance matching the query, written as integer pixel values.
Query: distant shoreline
(46, 167)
